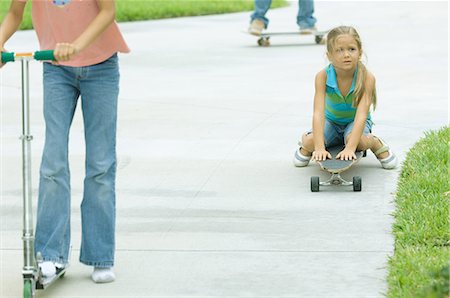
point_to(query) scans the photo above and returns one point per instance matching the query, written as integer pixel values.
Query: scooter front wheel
(28, 289)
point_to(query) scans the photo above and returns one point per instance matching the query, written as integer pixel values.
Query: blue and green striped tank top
(338, 108)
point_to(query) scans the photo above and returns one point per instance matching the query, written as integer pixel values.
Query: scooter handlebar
(44, 55)
(38, 55)
(7, 57)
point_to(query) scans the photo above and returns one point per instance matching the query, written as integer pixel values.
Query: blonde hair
(362, 70)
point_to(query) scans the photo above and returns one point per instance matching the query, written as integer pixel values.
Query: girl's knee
(308, 141)
(365, 142)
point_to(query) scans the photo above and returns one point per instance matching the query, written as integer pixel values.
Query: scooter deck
(45, 282)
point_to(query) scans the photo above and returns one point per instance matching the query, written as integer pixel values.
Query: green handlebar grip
(44, 55)
(7, 57)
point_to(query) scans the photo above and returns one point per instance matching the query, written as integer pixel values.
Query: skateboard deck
(335, 167)
(264, 38)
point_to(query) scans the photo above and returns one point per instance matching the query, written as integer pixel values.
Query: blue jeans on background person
(305, 18)
(98, 87)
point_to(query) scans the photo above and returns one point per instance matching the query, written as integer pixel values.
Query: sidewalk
(209, 204)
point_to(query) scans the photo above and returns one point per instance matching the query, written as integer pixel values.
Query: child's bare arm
(360, 120)
(320, 152)
(11, 22)
(106, 15)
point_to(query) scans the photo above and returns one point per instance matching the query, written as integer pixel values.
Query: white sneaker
(103, 275)
(301, 160)
(47, 268)
(309, 30)
(389, 162)
(256, 27)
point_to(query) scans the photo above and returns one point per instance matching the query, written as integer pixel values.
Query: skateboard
(335, 167)
(264, 38)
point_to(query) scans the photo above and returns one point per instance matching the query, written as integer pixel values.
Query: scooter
(32, 277)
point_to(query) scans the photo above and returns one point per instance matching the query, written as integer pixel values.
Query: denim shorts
(336, 134)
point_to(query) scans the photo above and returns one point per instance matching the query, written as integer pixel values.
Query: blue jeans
(336, 134)
(98, 87)
(305, 18)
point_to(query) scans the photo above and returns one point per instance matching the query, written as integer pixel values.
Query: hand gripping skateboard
(335, 167)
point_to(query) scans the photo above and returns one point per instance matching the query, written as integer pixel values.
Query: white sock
(103, 275)
(48, 268)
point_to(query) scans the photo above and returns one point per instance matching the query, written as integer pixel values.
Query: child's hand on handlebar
(65, 51)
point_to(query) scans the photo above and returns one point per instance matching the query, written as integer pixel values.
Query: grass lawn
(133, 10)
(420, 265)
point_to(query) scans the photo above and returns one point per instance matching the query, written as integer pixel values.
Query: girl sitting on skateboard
(344, 93)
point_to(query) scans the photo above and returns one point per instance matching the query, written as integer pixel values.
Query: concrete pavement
(209, 204)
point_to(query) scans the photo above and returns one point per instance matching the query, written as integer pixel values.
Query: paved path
(209, 204)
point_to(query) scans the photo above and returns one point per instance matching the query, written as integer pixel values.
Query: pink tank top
(58, 21)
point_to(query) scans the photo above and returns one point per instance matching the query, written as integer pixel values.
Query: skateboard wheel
(357, 183)
(264, 42)
(315, 184)
(319, 39)
(27, 289)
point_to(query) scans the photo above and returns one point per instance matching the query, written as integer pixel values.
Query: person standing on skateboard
(305, 19)
(344, 93)
(86, 40)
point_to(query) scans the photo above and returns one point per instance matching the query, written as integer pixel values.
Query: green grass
(134, 10)
(420, 265)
